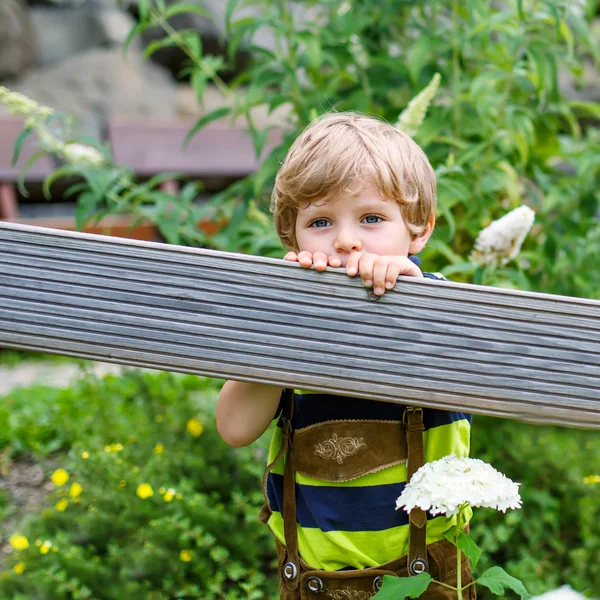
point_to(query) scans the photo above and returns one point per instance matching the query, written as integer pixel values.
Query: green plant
(148, 502)
(555, 538)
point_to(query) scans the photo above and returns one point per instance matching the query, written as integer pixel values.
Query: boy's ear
(418, 242)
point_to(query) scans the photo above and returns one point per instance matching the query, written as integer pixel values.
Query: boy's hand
(319, 260)
(380, 272)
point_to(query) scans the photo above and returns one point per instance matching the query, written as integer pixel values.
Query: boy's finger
(391, 277)
(335, 261)
(320, 261)
(380, 268)
(365, 268)
(408, 267)
(305, 259)
(291, 256)
(352, 264)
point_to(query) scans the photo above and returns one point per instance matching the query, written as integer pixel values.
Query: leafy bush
(148, 501)
(555, 538)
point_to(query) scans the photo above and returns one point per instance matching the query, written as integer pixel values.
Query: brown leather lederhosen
(343, 450)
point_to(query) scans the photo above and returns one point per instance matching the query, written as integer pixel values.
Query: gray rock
(17, 46)
(64, 32)
(99, 83)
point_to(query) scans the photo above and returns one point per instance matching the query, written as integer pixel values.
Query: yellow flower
(194, 427)
(45, 547)
(18, 541)
(19, 568)
(144, 490)
(591, 480)
(186, 555)
(169, 495)
(122, 483)
(75, 490)
(158, 449)
(61, 505)
(107, 448)
(85, 455)
(60, 477)
(116, 447)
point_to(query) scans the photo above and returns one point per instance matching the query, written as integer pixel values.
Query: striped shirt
(354, 524)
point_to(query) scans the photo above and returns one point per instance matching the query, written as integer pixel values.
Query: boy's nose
(347, 243)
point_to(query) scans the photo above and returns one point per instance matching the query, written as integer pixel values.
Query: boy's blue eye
(372, 219)
(319, 223)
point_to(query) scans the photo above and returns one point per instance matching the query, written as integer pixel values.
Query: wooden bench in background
(216, 156)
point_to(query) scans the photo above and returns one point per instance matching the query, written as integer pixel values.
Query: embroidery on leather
(348, 594)
(336, 448)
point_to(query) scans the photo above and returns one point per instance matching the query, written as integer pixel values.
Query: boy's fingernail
(379, 291)
(389, 285)
(368, 283)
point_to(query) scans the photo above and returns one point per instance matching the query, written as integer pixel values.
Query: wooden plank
(437, 344)
(151, 147)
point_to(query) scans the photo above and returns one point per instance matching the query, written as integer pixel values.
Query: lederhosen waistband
(365, 446)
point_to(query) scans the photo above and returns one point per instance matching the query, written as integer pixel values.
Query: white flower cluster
(413, 115)
(18, 104)
(563, 593)
(444, 485)
(77, 154)
(501, 241)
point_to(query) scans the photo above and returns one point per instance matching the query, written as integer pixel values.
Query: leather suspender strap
(286, 417)
(291, 568)
(417, 528)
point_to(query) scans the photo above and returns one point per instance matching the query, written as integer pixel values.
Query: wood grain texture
(444, 345)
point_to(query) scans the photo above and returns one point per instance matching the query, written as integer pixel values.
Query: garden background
(136, 495)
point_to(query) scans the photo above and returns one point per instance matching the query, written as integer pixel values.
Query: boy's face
(363, 223)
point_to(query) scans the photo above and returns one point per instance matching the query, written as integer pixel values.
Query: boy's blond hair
(343, 154)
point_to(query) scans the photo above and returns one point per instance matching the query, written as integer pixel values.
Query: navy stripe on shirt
(335, 508)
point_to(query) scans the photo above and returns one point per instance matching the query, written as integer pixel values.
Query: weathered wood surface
(437, 344)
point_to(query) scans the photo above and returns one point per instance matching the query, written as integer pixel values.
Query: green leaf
(28, 164)
(86, 203)
(138, 29)
(469, 547)
(231, 5)
(64, 171)
(19, 143)
(394, 588)
(198, 81)
(591, 109)
(211, 116)
(496, 579)
(157, 45)
(74, 189)
(178, 9)
(144, 9)
(162, 177)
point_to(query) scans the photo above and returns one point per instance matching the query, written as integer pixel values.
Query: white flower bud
(77, 154)
(413, 115)
(501, 241)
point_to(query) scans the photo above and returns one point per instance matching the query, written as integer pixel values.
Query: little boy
(356, 193)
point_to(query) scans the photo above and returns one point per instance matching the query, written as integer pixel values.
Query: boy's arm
(245, 410)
